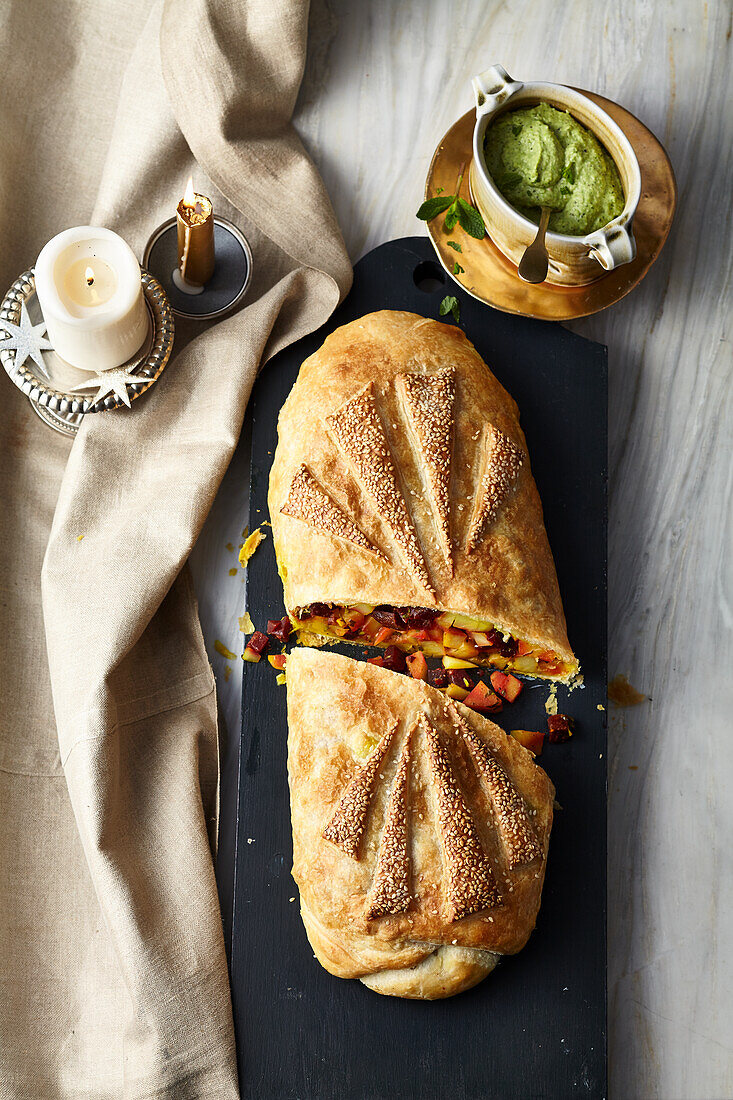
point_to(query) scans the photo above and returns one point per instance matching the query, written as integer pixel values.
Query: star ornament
(115, 381)
(25, 339)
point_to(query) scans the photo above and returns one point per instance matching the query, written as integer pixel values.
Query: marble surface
(384, 80)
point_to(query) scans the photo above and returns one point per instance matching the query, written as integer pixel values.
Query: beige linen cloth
(113, 979)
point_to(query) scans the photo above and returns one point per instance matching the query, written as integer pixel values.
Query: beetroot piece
(438, 677)
(394, 659)
(279, 628)
(560, 728)
(321, 610)
(418, 618)
(496, 641)
(258, 642)
(389, 616)
(460, 677)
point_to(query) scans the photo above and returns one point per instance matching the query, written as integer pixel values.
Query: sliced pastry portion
(403, 506)
(420, 829)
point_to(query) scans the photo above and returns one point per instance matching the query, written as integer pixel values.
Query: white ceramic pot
(573, 260)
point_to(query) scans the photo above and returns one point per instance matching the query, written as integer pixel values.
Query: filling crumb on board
(249, 546)
(245, 624)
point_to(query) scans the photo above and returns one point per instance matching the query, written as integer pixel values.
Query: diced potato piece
(508, 686)
(524, 664)
(483, 699)
(418, 666)
(531, 739)
(453, 638)
(465, 622)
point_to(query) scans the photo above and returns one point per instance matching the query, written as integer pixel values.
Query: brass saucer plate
(49, 391)
(492, 278)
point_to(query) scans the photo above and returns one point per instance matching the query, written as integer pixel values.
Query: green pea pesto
(542, 156)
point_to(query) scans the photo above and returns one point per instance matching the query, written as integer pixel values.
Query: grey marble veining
(384, 80)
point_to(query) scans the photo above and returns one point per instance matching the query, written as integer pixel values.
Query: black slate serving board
(536, 1026)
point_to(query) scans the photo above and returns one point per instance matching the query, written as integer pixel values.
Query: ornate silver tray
(55, 388)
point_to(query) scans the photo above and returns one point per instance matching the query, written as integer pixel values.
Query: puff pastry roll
(403, 506)
(420, 829)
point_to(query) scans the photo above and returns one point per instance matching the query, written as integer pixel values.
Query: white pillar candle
(90, 292)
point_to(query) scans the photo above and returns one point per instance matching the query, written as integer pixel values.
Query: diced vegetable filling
(432, 632)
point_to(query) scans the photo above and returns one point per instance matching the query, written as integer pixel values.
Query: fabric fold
(127, 950)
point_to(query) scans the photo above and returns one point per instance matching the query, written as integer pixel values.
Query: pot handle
(613, 245)
(492, 88)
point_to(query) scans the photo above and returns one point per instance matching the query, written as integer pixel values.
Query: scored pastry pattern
(503, 461)
(470, 882)
(359, 432)
(428, 403)
(391, 889)
(347, 825)
(468, 879)
(515, 828)
(311, 503)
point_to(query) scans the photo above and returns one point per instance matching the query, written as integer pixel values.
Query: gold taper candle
(195, 219)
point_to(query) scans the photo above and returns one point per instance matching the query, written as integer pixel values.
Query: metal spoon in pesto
(533, 264)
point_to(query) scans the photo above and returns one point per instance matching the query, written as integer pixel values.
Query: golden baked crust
(374, 417)
(446, 971)
(417, 825)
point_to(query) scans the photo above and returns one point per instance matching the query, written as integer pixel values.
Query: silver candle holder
(61, 394)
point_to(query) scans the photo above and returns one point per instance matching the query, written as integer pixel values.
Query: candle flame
(89, 276)
(189, 198)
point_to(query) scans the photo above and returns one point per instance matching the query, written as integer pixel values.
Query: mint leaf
(455, 245)
(569, 173)
(450, 305)
(517, 129)
(439, 190)
(451, 218)
(457, 269)
(432, 207)
(471, 220)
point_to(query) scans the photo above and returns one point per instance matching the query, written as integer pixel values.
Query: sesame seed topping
(503, 461)
(470, 882)
(515, 829)
(358, 430)
(429, 401)
(391, 889)
(308, 502)
(346, 825)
